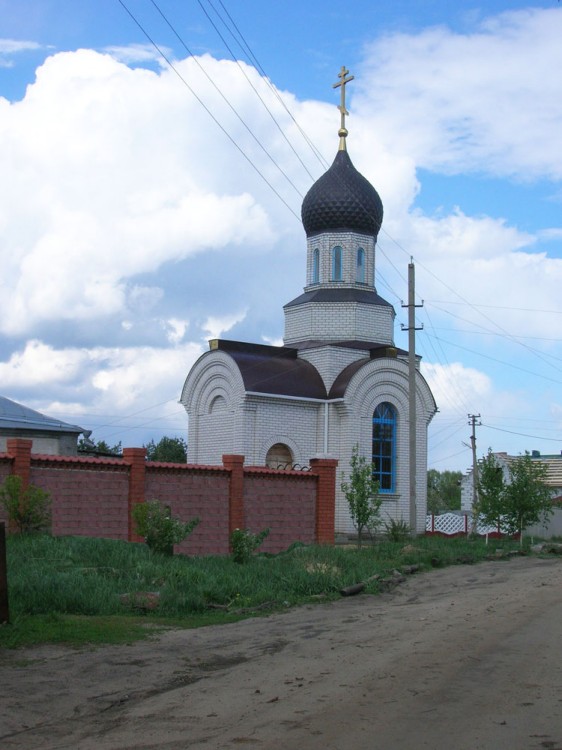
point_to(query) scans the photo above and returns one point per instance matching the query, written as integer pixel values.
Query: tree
(491, 489)
(528, 498)
(172, 450)
(28, 509)
(101, 448)
(521, 501)
(443, 490)
(362, 494)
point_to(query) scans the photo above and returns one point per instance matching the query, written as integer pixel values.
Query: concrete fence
(95, 496)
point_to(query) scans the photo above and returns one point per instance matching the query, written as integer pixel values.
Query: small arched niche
(279, 456)
(217, 404)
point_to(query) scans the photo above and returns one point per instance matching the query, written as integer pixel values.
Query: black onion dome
(342, 199)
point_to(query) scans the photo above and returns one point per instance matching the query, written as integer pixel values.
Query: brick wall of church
(339, 321)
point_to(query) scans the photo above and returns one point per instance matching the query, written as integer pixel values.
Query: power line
(523, 434)
(244, 44)
(211, 115)
(255, 90)
(227, 101)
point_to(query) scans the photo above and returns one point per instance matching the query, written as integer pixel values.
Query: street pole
(472, 421)
(412, 391)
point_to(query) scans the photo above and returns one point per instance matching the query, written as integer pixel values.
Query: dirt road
(460, 659)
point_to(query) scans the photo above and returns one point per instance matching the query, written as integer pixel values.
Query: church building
(338, 381)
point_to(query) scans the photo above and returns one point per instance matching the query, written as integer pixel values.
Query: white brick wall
(331, 360)
(349, 242)
(332, 321)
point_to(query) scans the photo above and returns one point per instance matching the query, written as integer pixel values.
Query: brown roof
(274, 370)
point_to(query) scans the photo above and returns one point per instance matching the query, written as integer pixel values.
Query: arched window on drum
(316, 266)
(337, 263)
(360, 274)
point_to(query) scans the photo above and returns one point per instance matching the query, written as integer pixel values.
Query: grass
(78, 590)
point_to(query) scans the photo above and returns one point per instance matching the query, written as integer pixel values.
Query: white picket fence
(452, 524)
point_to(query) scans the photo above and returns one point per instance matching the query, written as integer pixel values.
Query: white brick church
(338, 380)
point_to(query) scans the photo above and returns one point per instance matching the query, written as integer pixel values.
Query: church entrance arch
(279, 456)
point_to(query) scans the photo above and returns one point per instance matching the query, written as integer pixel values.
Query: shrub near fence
(95, 496)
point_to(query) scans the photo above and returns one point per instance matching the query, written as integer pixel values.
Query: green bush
(397, 531)
(28, 509)
(243, 544)
(160, 531)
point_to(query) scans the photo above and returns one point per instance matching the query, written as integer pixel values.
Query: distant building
(338, 381)
(553, 463)
(49, 436)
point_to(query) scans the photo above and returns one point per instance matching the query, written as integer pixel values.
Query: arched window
(384, 446)
(315, 266)
(279, 456)
(337, 263)
(360, 270)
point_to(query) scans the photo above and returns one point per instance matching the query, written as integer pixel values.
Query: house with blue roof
(49, 436)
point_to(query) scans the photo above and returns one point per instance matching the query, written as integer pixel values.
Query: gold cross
(342, 75)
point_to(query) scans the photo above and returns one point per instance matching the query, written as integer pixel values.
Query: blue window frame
(315, 266)
(360, 270)
(384, 446)
(337, 263)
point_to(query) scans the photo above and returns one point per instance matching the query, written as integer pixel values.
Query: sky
(154, 157)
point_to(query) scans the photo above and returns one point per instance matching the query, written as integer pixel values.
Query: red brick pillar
(325, 470)
(235, 465)
(20, 450)
(136, 458)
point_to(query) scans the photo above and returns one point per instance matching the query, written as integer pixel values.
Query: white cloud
(487, 101)
(175, 330)
(11, 46)
(139, 53)
(455, 386)
(39, 364)
(273, 342)
(106, 380)
(107, 188)
(214, 327)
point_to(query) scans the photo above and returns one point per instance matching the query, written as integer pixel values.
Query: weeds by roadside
(71, 589)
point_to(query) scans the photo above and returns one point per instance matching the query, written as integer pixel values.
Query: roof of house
(14, 416)
(553, 465)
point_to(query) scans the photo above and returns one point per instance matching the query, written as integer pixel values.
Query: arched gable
(386, 379)
(214, 375)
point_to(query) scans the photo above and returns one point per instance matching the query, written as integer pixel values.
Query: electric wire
(227, 101)
(283, 134)
(211, 115)
(244, 44)
(521, 434)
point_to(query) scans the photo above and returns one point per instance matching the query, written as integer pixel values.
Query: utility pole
(411, 328)
(474, 424)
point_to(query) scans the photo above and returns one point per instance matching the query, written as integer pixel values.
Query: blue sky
(133, 229)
